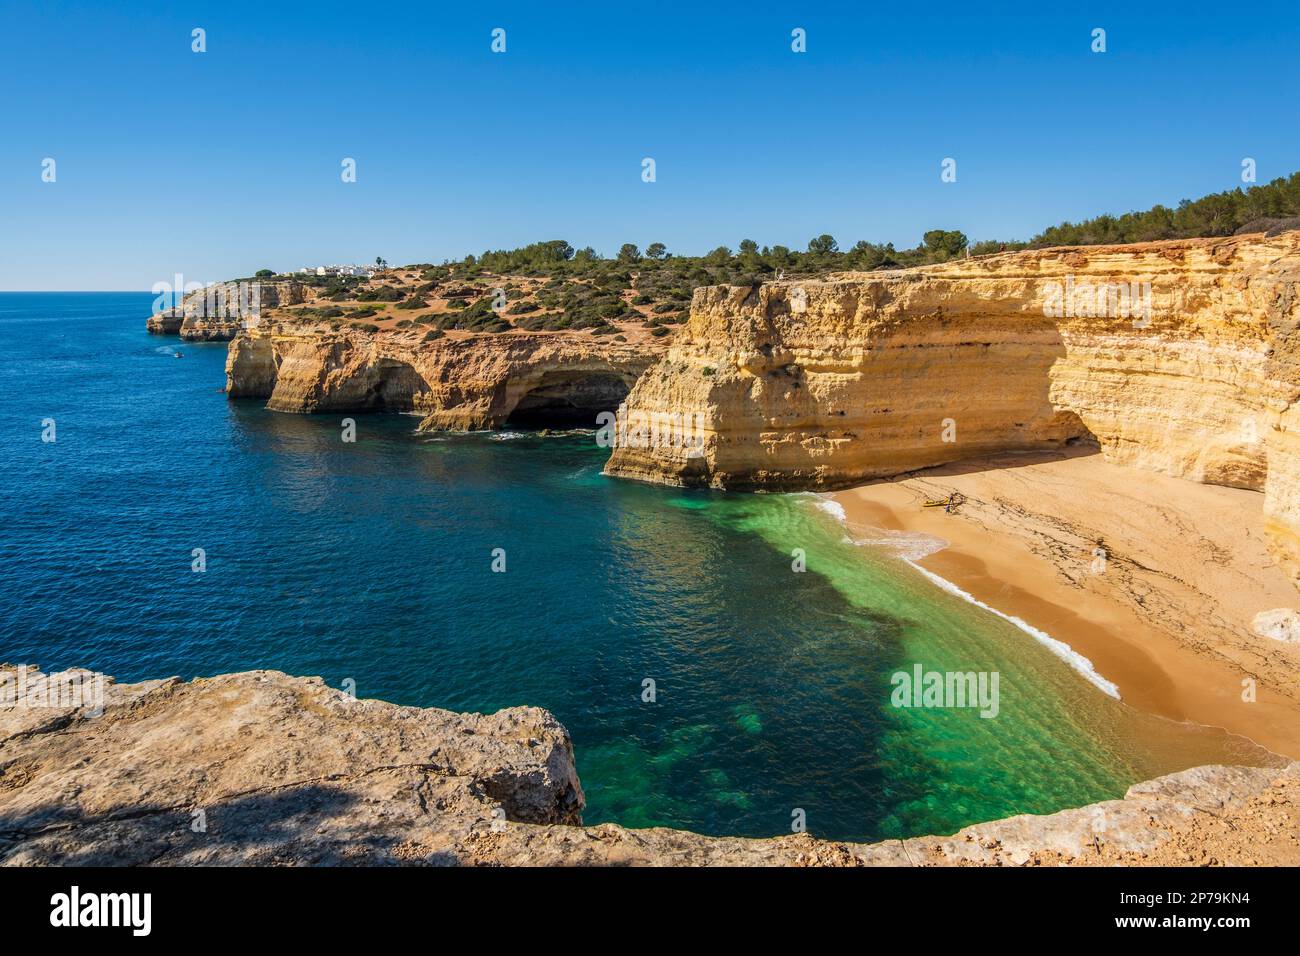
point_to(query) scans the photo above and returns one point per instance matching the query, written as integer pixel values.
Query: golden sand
(1154, 579)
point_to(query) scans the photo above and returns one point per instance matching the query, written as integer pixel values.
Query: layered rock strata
(166, 322)
(460, 381)
(1182, 357)
(218, 312)
(260, 768)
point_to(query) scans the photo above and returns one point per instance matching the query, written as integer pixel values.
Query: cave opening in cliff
(569, 400)
(392, 387)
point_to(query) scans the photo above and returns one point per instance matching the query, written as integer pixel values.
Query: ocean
(773, 694)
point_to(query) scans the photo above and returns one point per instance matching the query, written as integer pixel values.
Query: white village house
(338, 270)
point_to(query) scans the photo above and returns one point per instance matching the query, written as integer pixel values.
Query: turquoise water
(373, 561)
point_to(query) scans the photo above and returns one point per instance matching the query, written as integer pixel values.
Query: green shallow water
(371, 562)
(864, 614)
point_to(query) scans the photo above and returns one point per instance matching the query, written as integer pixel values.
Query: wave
(506, 435)
(911, 546)
(1061, 649)
(831, 507)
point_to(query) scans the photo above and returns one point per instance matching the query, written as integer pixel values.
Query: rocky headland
(458, 381)
(216, 314)
(260, 768)
(1180, 357)
(448, 349)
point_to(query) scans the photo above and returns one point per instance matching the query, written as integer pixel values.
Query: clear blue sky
(217, 164)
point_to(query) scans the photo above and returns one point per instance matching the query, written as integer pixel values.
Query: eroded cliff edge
(261, 768)
(1181, 357)
(213, 314)
(459, 381)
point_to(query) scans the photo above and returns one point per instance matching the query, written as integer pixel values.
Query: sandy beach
(1165, 616)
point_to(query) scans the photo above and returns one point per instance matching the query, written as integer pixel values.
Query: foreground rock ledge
(289, 771)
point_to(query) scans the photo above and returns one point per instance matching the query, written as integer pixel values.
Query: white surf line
(1064, 651)
(833, 507)
(1061, 649)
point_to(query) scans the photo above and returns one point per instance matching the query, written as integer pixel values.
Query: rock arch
(570, 398)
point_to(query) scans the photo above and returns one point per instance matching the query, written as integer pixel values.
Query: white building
(339, 270)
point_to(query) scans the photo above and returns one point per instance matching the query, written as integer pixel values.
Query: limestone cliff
(260, 768)
(218, 312)
(1181, 356)
(459, 381)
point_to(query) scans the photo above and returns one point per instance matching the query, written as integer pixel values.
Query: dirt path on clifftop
(1168, 619)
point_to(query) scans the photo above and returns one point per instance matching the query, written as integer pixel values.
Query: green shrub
(385, 293)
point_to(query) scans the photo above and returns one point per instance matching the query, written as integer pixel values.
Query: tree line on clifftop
(1272, 205)
(585, 290)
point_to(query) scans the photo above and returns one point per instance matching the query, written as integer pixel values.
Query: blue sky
(216, 164)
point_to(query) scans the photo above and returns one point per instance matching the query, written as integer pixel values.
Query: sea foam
(1062, 650)
(910, 547)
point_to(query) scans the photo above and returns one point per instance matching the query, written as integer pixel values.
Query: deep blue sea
(372, 561)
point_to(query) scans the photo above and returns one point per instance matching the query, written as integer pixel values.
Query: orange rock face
(1181, 357)
(461, 381)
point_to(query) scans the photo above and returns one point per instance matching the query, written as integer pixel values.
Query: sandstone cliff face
(1182, 357)
(260, 768)
(461, 381)
(166, 322)
(217, 313)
